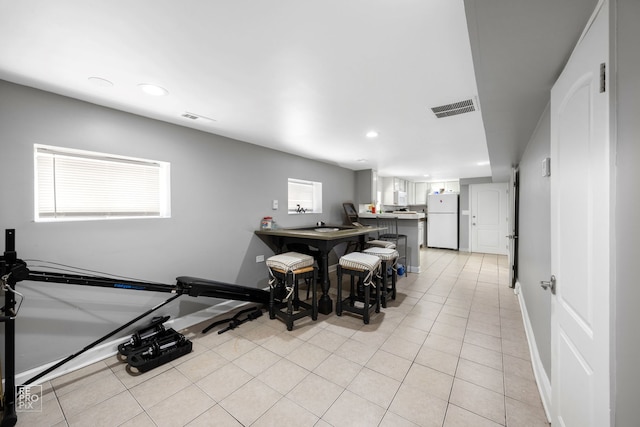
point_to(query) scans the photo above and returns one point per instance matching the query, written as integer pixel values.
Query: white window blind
(304, 196)
(74, 184)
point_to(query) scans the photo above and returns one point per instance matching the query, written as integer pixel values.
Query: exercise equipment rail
(14, 270)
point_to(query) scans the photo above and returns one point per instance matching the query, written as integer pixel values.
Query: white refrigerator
(442, 221)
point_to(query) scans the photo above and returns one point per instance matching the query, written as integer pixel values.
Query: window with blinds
(80, 185)
(304, 196)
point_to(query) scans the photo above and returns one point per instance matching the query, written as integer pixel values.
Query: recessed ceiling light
(99, 81)
(372, 134)
(483, 163)
(426, 175)
(361, 160)
(151, 89)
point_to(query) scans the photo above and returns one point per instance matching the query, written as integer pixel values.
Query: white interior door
(581, 204)
(489, 218)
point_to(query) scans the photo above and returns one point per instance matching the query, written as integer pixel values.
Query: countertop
(326, 232)
(416, 215)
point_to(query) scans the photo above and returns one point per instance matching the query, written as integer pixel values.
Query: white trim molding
(542, 379)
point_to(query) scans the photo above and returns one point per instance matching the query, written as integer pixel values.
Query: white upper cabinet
(422, 188)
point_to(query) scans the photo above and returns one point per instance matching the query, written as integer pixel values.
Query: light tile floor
(449, 351)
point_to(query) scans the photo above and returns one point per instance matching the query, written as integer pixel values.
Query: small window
(80, 185)
(304, 196)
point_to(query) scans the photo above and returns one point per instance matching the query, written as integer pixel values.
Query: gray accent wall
(534, 237)
(626, 296)
(220, 188)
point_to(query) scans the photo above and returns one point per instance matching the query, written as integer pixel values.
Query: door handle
(511, 236)
(551, 284)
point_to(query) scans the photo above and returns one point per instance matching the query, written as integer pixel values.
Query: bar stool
(365, 267)
(390, 233)
(380, 244)
(285, 271)
(388, 257)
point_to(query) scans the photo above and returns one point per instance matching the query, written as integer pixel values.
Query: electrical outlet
(274, 205)
(260, 258)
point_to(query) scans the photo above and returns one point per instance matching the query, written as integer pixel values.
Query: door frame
(514, 213)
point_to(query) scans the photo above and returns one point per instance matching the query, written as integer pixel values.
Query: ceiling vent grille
(454, 109)
(194, 116)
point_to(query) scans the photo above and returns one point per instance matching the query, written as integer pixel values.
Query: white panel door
(489, 218)
(581, 205)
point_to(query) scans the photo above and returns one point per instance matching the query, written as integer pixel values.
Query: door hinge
(603, 77)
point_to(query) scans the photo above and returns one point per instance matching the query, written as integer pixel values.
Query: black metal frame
(14, 270)
(361, 294)
(285, 309)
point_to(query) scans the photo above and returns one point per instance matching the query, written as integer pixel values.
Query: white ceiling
(309, 77)
(519, 49)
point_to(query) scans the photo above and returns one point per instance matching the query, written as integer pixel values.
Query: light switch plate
(274, 205)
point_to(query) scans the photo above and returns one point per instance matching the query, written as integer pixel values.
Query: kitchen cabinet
(366, 186)
(391, 184)
(387, 190)
(400, 184)
(447, 186)
(411, 192)
(421, 241)
(422, 188)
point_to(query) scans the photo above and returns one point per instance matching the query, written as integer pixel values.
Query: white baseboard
(110, 348)
(542, 379)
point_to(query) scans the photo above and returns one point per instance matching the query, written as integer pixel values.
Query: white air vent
(194, 116)
(454, 109)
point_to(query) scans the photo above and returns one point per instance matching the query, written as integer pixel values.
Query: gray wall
(534, 237)
(627, 212)
(464, 237)
(221, 188)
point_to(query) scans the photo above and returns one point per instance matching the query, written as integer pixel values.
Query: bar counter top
(400, 215)
(325, 232)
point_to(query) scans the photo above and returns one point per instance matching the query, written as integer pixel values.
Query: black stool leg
(376, 283)
(272, 292)
(296, 296)
(394, 281)
(339, 290)
(314, 298)
(384, 284)
(367, 304)
(290, 301)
